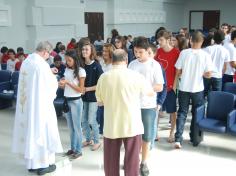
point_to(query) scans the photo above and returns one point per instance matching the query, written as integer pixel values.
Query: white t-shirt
(227, 38)
(105, 67)
(69, 75)
(232, 54)
(219, 56)
(151, 70)
(96, 43)
(193, 63)
(11, 65)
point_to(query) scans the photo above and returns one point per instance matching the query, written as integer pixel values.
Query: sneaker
(144, 171)
(75, 155)
(96, 146)
(69, 152)
(178, 145)
(32, 170)
(43, 171)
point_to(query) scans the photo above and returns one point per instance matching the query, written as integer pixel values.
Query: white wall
(25, 22)
(174, 15)
(136, 17)
(13, 30)
(226, 7)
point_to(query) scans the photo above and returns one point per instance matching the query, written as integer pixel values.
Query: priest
(35, 134)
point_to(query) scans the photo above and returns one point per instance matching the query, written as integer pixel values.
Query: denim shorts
(169, 104)
(148, 119)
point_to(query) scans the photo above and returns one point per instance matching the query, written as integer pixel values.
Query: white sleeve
(82, 73)
(233, 54)
(158, 76)
(179, 62)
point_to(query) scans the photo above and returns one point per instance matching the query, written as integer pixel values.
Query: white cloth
(35, 134)
(219, 56)
(232, 53)
(105, 67)
(98, 43)
(11, 65)
(152, 72)
(69, 75)
(227, 38)
(193, 63)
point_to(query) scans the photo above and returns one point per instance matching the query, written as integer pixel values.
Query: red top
(167, 61)
(17, 55)
(70, 46)
(18, 65)
(5, 57)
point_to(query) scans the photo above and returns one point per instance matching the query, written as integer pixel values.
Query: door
(204, 20)
(95, 23)
(211, 19)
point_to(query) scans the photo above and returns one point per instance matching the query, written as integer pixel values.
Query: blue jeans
(155, 130)
(212, 84)
(148, 119)
(227, 78)
(184, 101)
(89, 119)
(73, 118)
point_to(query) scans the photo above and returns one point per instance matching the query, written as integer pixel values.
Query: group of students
(90, 82)
(11, 58)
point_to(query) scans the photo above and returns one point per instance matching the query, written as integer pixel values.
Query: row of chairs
(8, 87)
(219, 116)
(4, 66)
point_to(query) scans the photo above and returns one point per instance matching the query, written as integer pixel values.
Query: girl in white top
(73, 83)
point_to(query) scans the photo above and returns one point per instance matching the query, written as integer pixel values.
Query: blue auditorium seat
(220, 104)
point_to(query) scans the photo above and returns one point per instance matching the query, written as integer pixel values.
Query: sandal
(96, 146)
(87, 143)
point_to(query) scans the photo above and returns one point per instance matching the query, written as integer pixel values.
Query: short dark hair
(20, 50)
(197, 37)
(11, 51)
(4, 49)
(141, 42)
(164, 33)
(57, 58)
(119, 55)
(153, 47)
(233, 35)
(219, 36)
(158, 30)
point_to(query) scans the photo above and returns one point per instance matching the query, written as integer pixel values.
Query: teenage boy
(152, 72)
(167, 56)
(220, 58)
(192, 65)
(228, 76)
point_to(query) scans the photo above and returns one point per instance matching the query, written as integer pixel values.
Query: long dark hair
(77, 61)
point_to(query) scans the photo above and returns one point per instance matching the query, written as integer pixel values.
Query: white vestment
(35, 134)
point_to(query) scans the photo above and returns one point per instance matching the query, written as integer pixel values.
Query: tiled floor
(215, 156)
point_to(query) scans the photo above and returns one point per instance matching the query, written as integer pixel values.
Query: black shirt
(93, 72)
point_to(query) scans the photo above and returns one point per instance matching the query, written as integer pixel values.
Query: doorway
(95, 23)
(204, 20)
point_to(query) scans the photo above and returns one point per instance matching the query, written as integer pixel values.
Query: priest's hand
(54, 70)
(62, 82)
